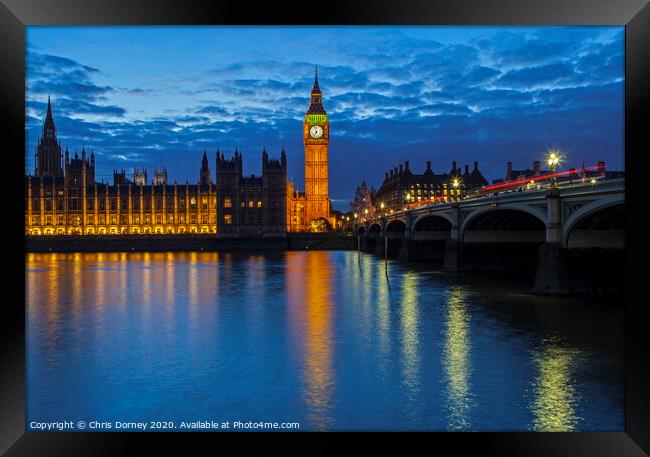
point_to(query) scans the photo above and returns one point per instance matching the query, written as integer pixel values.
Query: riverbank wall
(187, 242)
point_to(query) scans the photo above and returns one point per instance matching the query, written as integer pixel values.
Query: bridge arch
(431, 227)
(361, 230)
(395, 228)
(374, 230)
(602, 214)
(504, 224)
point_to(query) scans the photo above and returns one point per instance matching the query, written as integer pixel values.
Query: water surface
(332, 340)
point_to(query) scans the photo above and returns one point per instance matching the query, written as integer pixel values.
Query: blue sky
(159, 96)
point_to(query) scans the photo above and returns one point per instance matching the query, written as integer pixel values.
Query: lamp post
(553, 160)
(456, 184)
(381, 206)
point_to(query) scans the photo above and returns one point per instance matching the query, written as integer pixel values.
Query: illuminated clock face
(316, 131)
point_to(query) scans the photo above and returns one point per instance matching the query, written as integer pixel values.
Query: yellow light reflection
(122, 263)
(170, 277)
(554, 401)
(52, 286)
(77, 287)
(193, 287)
(456, 361)
(383, 312)
(409, 318)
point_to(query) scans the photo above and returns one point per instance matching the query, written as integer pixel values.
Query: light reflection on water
(327, 339)
(456, 361)
(555, 393)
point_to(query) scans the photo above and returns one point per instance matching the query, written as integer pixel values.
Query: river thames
(332, 340)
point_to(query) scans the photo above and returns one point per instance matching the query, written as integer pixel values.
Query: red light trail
(539, 178)
(515, 183)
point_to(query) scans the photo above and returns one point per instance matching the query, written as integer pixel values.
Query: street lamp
(381, 206)
(456, 184)
(553, 160)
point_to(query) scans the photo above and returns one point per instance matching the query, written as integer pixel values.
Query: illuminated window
(259, 204)
(227, 219)
(227, 203)
(250, 204)
(193, 201)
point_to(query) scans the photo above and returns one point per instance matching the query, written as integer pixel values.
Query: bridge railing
(566, 188)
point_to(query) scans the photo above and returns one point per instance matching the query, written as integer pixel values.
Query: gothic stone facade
(251, 205)
(63, 197)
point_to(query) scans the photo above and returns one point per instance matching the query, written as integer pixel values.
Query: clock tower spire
(316, 139)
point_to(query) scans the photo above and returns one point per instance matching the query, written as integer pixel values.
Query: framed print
(360, 217)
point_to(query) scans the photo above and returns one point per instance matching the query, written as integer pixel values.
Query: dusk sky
(160, 96)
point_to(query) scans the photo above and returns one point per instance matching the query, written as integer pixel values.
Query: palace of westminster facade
(63, 197)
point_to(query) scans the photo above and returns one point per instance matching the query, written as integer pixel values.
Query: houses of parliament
(64, 198)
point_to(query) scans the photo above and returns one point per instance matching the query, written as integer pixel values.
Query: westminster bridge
(572, 234)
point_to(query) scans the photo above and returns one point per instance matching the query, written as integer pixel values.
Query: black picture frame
(633, 14)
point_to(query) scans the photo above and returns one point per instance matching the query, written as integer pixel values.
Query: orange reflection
(310, 284)
(319, 344)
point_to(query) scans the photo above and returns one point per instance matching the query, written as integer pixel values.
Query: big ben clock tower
(316, 138)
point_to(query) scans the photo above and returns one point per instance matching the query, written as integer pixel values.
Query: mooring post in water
(386, 253)
(359, 248)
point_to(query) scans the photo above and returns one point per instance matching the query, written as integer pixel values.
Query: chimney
(509, 172)
(536, 168)
(476, 165)
(428, 165)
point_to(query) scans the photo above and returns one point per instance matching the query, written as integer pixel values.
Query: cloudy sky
(160, 96)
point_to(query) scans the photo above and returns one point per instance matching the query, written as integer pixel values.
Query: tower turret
(204, 177)
(49, 157)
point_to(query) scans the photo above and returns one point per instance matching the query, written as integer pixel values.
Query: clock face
(316, 131)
